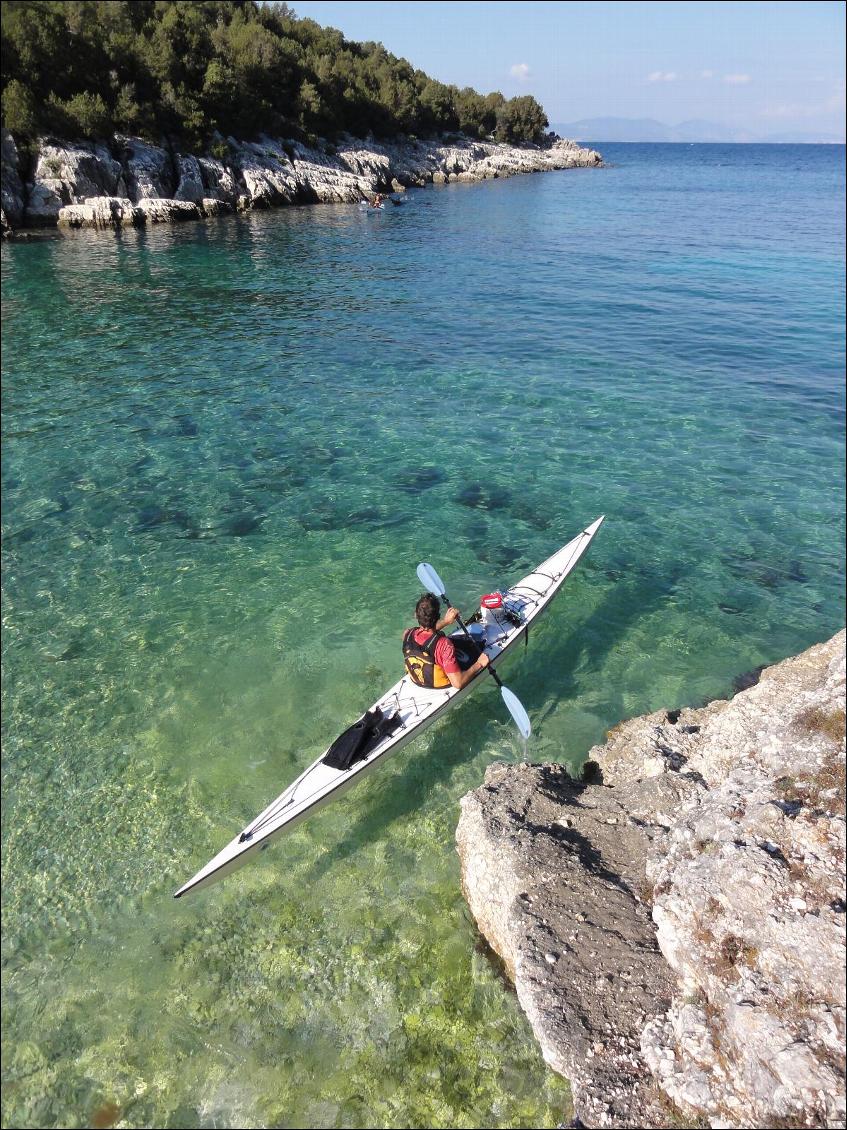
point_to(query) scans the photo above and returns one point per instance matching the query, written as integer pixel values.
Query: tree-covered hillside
(185, 68)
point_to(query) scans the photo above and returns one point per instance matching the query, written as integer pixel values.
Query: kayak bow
(411, 708)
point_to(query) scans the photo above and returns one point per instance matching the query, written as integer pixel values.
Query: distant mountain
(700, 130)
(614, 129)
(648, 129)
(798, 138)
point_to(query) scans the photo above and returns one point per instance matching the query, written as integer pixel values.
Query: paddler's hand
(483, 661)
(451, 616)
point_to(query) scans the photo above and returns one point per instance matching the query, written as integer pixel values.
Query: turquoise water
(226, 448)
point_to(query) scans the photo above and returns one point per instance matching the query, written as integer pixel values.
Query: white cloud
(662, 76)
(737, 80)
(520, 71)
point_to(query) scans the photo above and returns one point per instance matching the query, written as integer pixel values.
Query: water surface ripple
(226, 448)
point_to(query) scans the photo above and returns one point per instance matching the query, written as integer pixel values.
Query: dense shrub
(188, 68)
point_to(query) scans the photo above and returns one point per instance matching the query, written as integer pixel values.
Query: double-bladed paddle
(433, 583)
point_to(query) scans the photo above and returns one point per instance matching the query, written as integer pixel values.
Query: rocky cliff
(131, 182)
(674, 922)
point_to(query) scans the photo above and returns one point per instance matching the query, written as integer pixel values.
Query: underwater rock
(501, 556)
(475, 530)
(140, 464)
(153, 515)
(538, 519)
(497, 498)
(185, 426)
(150, 516)
(419, 479)
(321, 517)
(242, 525)
(797, 573)
(24, 534)
(486, 496)
(364, 516)
(471, 496)
(372, 518)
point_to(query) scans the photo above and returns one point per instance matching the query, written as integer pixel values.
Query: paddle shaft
(463, 626)
(431, 581)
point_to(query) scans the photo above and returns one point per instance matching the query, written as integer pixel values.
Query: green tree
(128, 115)
(437, 108)
(521, 119)
(83, 115)
(189, 68)
(20, 115)
(472, 115)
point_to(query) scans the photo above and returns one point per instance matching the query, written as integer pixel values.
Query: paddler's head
(427, 610)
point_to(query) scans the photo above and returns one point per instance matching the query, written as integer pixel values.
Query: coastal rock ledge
(674, 922)
(125, 182)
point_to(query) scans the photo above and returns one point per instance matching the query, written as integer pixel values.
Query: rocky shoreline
(130, 182)
(674, 922)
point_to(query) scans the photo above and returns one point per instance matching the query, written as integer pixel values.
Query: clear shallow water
(226, 448)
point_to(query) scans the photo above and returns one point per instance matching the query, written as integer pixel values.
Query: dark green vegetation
(87, 68)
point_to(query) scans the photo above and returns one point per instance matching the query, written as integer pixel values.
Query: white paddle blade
(430, 579)
(515, 708)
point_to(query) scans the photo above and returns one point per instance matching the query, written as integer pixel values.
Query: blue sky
(763, 67)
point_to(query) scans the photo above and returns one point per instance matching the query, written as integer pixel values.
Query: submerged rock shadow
(592, 639)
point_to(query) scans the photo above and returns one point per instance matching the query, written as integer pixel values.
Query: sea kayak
(407, 710)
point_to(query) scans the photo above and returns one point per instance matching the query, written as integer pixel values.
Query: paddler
(430, 656)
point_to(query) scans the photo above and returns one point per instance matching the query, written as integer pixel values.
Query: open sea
(227, 446)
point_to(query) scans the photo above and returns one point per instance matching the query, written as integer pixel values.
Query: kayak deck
(417, 708)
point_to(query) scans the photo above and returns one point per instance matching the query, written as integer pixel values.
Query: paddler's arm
(449, 617)
(459, 679)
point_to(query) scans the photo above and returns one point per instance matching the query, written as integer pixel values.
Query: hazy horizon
(635, 130)
(759, 69)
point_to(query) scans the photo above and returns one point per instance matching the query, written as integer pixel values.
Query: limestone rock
(12, 200)
(150, 170)
(729, 819)
(70, 174)
(101, 212)
(261, 174)
(218, 180)
(547, 875)
(190, 186)
(167, 211)
(266, 172)
(749, 901)
(211, 207)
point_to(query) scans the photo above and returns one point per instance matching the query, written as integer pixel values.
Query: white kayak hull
(417, 708)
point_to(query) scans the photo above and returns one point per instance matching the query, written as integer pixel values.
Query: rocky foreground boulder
(674, 923)
(128, 181)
